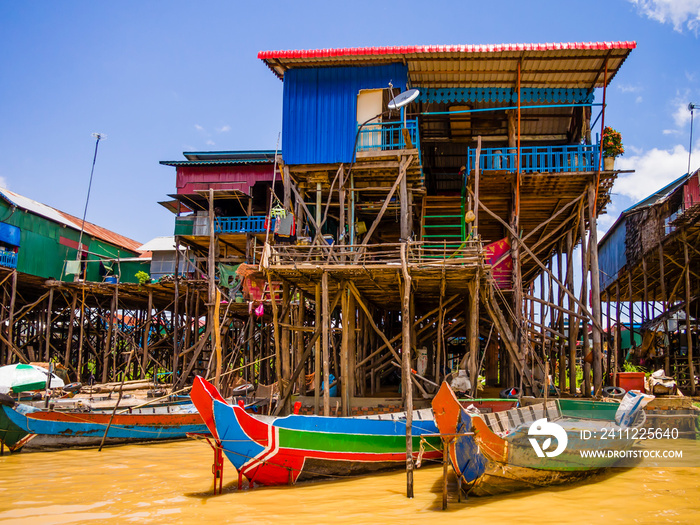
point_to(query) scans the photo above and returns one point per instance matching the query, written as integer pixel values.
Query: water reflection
(172, 483)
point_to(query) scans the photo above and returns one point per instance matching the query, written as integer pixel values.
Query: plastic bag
(632, 403)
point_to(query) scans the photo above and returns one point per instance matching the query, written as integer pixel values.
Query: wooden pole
(217, 339)
(301, 321)
(405, 210)
(71, 322)
(406, 382)
(49, 316)
(276, 327)
(596, 309)
(688, 330)
(344, 372)
(618, 333)
(146, 333)
(285, 341)
(212, 318)
(573, 323)
(176, 317)
(326, 323)
(317, 350)
(473, 333)
(664, 304)
(476, 187)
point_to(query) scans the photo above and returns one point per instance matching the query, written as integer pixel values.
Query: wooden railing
(419, 253)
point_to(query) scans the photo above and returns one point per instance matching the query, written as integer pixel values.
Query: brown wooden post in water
(146, 332)
(49, 310)
(406, 382)
(325, 334)
(317, 350)
(688, 331)
(301, 321)
(344, 372)
(71, 322)
(596, 308)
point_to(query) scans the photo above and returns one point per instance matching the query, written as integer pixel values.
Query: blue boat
(54, 429)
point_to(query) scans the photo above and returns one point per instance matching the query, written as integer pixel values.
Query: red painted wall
(691, 192)
(239, 177)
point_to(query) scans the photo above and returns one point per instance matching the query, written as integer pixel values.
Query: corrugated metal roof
(565, 64)
(224, 158)
(68, 220)
(213, 162)
(159, 244)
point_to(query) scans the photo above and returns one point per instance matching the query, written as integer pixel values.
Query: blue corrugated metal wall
(611, 254)
(319, 117)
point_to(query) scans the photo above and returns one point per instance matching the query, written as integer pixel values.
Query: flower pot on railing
(609, 163)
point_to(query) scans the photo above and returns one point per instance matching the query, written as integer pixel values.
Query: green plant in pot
(612, 147)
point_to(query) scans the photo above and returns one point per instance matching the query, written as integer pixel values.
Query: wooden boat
(494, 454)
(283, 450)
(12, 437)
(56, 429)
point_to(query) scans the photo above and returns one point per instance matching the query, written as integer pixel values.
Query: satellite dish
(404, 98)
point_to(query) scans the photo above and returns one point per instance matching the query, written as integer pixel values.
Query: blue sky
(162, 77)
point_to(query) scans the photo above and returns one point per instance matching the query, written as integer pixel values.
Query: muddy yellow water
(172, 483)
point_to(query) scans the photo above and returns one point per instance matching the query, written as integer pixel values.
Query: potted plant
(612, 147)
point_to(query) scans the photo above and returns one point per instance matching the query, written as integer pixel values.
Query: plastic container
(630, 381)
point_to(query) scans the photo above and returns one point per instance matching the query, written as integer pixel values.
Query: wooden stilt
(406, 382)
(688, 329)
(326, 322)
(595, 291)
(317, 350)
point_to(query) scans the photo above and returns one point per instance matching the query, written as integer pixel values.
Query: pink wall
(238, 177)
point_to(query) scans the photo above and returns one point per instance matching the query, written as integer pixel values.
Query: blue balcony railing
(387, 136)
(540, 159)
(8, 259)
(245, 224)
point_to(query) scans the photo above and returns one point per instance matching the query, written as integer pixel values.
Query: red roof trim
(407, 50)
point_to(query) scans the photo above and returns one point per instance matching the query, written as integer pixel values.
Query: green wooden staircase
(443, 220)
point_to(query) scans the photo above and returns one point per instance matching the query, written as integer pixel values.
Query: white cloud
(671, 132)
(681, 115)
(211, 143)
(654, 169)
(679, 13)
(638, 100)
(198, 127)
(3, 183)
(224, 129)
(629, 88)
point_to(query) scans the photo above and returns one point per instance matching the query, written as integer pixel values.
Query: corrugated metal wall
(41, 252)
(691, 191)
(319, 117)
(611, 254)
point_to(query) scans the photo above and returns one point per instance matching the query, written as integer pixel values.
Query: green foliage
(143, 277)
(612, 143)
(629, 367)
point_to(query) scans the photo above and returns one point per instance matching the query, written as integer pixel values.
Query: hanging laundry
(228, 277)
(72, 267)
(285, 229)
